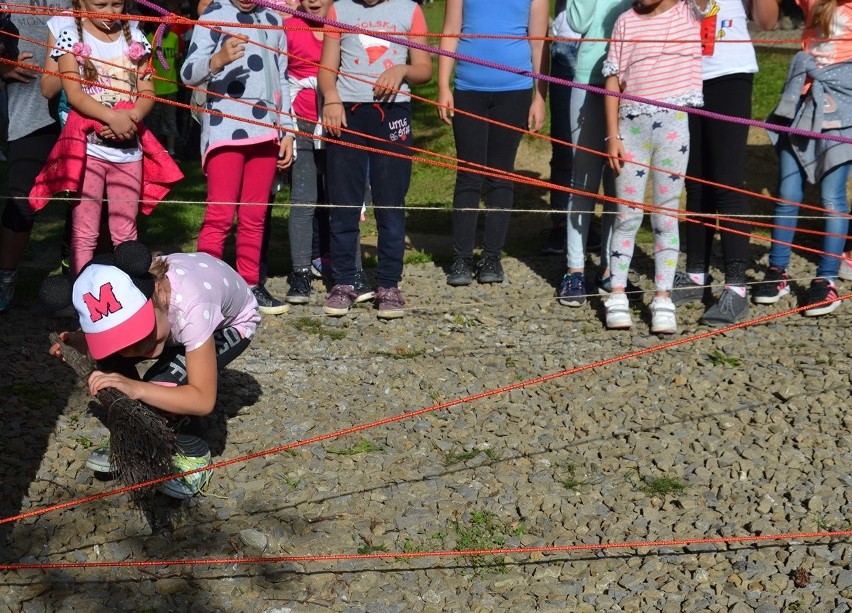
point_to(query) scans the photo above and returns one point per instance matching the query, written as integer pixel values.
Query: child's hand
(334, 117)
(100, 380)
(19, 73)
(75, 340)
(535, 119)
(446, 104)
(121, 126)
(389, 82)
(285, 152)
(232, 49)
(615, 152)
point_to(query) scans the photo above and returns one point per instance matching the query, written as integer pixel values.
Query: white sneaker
(618, 312)
(663, 319)
(845, 271)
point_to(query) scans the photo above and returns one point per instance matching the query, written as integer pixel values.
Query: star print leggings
(660, 140)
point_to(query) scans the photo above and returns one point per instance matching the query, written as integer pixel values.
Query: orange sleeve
(331, 31)
(418, 22)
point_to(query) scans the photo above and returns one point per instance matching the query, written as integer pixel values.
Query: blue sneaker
(572, 290)
(193, 453)
(7, 288)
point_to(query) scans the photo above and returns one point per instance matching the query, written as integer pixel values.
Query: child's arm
(285, 119)
(332, 112)
(143, 104)
(205, 61)
(197, 397)
(419, 67)
(119, 121)
(614, 146)
(764, 13)
(452, 26)
(50, 85)
(537, 28)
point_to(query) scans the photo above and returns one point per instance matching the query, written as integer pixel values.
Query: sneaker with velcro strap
(193, 453)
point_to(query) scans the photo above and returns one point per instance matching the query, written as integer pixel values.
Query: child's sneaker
(7, 288)
(604, 285)
(99, 459)
(391, 303)
(362, 288)
(266, 303)
(686, 290)
(316, 268)
(845, 271)
(193, 453)
(775, 285)
(300, 287)
(572, 289)
(728, 310)
(663, 320)
(339, 300)
(820, 291)
(618, 312)
(461, 271)
(489, 270)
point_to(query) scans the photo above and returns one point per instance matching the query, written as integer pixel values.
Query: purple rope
(160, 32)
(542, 77)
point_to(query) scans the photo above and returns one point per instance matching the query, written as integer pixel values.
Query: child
(163, 117)
(717, 154)
(240, 158)
(666, 68)
(105, 51)
(191, 313)
(816, 98)
(382, 110)
(497, 95)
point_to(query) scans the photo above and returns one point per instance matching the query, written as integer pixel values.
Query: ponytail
(822, 16)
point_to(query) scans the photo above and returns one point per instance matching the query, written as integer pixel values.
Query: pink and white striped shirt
(657, 57)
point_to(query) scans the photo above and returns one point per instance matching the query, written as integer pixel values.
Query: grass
(450, 458)
(313, 326)
(482, 531)
(717, 358)
(573, 482)
(662, 487)
(362, 446)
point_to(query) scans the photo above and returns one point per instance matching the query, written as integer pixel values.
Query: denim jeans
(563, 62)
(792, 187)
(588, 129)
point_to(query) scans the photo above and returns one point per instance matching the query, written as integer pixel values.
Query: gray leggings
(306, 190)
(661, 140)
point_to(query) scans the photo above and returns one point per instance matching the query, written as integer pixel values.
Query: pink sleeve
(613, 57)
(418, 22)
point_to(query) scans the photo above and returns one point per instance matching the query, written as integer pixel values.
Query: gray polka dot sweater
(246, 80)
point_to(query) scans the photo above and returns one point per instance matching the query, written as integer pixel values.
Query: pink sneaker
(390, 301)
(339, 299)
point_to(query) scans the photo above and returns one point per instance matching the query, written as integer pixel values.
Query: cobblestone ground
(740, 434)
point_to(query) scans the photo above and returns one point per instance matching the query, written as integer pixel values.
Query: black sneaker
(362, 287)
(775, 285)
(555, 243)
(300, 287)
(686, 290)
(820, 291)
(266, 303)
(728, 310)
(461, 271)
(489, 270)
(634, 292)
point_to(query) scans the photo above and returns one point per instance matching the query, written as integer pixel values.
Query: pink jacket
(63, 171)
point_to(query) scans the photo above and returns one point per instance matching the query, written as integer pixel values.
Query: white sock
(740, 290)
(699, 278)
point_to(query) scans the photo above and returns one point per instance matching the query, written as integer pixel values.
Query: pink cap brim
(140, 325)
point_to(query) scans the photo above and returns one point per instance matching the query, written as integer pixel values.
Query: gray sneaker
(728, 310)
(99, 460)
(685, 290)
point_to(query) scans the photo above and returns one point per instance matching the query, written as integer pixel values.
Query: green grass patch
(572, 481)
(362, 446)
(662, 486)
(313, 326)
(717, 358)
(482, 530)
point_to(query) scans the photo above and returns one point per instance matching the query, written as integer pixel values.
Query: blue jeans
(563, 63)
(792, 187)
(588, 129)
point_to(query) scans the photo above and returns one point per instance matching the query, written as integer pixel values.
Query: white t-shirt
(727, 20)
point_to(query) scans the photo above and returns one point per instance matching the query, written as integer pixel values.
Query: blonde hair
(162, 287)
(822, 16)
(90, 73)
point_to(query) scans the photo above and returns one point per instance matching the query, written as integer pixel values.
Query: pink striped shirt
(667, 71)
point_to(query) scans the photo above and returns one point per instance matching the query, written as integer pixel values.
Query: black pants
(27, 156)
(492, 146)
(170, 369)
(717, 154)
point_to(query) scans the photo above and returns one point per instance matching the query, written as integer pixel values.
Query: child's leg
(630, 185)
(390, 178)
(123, 188)
(86, 215)
(510, 108)
(346, 183)
(258, 174)
(670, 141)
(224, 181)
(791, 187)
(304, 193)
(471, 138)
(833, 190)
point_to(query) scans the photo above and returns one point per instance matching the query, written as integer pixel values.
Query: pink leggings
(122, 184)
(242, 175)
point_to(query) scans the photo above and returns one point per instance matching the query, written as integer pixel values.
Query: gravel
(743, 433)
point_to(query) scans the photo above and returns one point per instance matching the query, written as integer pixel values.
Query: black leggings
(27, 156)
(489, 145)
(717, 154)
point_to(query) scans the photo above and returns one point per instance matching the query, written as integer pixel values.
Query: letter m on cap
(104, 304)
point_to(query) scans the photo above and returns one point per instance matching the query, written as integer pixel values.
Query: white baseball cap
(114, 313)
